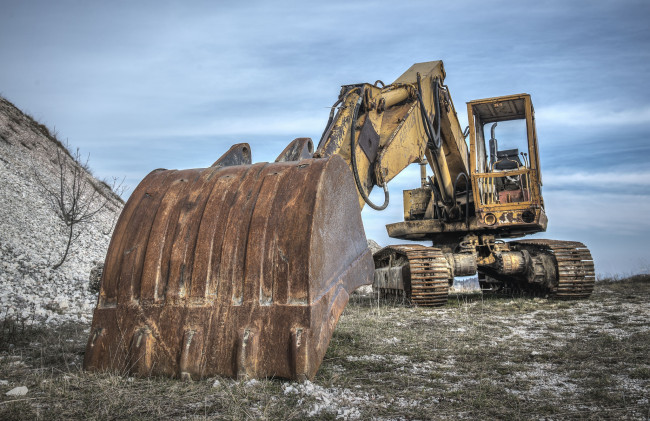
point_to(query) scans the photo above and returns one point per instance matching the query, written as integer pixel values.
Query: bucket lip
(235, 168)
(336, 169)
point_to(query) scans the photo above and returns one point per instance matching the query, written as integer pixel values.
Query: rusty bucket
(238, 270)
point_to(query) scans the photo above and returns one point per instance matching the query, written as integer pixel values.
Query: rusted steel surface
(239, 271)
(238, 154)
(300, 148)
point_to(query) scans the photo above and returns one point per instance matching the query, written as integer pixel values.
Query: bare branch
(77, 200)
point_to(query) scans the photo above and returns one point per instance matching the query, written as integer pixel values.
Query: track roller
(574, 274)
(559, 269)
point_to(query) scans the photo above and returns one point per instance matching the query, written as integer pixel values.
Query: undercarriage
(423, 275)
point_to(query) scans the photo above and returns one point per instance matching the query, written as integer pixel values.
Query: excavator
(243, 270)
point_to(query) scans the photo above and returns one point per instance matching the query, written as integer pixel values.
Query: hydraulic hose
(463, 175)
(353, 155)
(435, 141)
(330, 119)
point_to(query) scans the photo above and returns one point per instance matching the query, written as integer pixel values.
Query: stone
(17, 391)
(373, 246)
(95, 280)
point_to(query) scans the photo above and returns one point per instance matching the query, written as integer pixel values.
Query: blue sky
(150, 84)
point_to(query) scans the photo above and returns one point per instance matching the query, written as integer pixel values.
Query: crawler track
(429, 274)
(575, 266)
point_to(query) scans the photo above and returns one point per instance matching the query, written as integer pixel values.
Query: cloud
(284, 124)
(622, 179)
(615, 215)
(614, 226)
(157, 84)
(592, 114)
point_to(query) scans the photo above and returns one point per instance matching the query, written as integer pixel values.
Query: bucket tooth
(141, 352)
(231, 270)
(239, 154)
(96, 341)
(190, 362)
(299, 149)
(300, 353)
(247, 353)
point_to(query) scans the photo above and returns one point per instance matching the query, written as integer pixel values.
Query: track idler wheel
(238, 270)
(561, 269)
(573, 276)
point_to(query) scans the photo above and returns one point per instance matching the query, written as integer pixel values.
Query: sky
(151, 84)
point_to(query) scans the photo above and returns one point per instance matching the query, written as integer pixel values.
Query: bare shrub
(76, 200)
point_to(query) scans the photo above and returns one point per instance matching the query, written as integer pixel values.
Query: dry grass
(477, 358)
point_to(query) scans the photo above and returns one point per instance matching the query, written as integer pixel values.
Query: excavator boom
(380, 130)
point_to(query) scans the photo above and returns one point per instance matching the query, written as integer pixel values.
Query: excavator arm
(380, 130)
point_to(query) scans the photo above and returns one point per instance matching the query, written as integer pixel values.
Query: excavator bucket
(238, 270)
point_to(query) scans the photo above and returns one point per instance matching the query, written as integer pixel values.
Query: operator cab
(510, 159)
(504, 161)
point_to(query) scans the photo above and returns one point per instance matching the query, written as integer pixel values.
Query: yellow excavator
(243, 269)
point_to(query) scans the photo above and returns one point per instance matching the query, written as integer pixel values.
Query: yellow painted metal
(392, 115)
(416, 202)
(393, 111)
(337, 141)
(393, 96)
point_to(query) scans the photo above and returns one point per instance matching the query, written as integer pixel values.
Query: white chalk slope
(32, 238)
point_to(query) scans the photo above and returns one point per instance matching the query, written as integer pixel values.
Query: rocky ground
(32, 238)
(477, 358)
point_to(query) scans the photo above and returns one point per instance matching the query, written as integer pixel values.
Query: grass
(476, 358)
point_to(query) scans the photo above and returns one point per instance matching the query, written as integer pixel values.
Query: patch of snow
(17, 391)
(341, 402)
